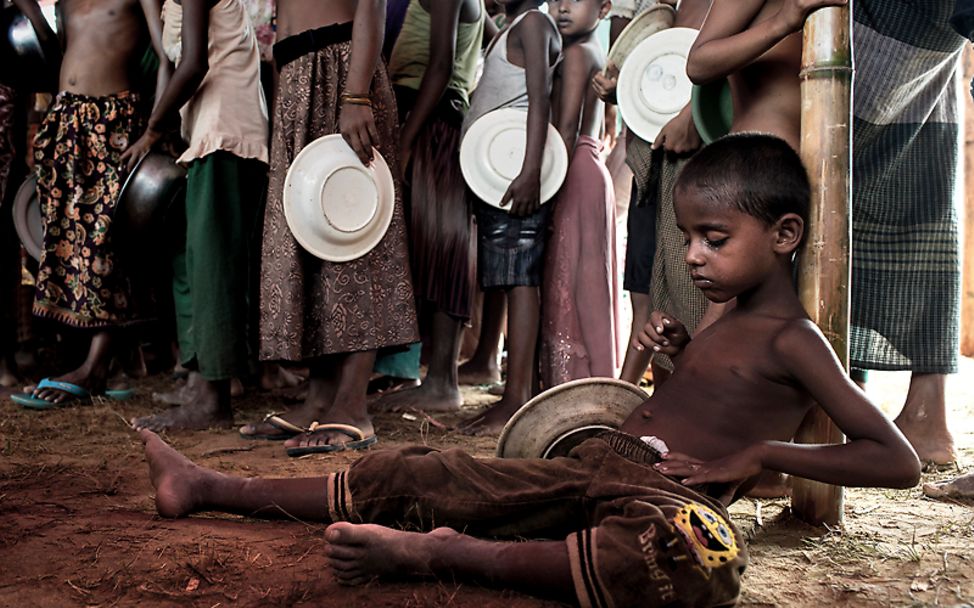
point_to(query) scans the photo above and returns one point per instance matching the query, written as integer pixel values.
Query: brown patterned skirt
(80, 281)
(309, 307)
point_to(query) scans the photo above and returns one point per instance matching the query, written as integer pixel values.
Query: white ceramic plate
(492, 152)
(653, 84)
(337, 208)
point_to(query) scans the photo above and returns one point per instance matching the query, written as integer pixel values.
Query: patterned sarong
(76, 152)
(905, 268)
(7, 149)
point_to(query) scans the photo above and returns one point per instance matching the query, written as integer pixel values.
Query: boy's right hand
(679, 136)
(793, 13)
(523, 195)
(605, 83)
(663, 334)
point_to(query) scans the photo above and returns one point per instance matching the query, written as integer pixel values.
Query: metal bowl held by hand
(23, 39)
(145, 198)
(27, 218)
(562, 417)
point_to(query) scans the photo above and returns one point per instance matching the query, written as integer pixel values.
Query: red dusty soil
(78, 526)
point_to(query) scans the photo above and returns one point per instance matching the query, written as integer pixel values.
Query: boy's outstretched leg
(183, 487)
(359, 552)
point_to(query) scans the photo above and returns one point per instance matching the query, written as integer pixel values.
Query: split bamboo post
(824, 264)
(967, 277)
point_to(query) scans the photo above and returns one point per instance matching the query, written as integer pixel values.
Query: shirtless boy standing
(81, 282)
(641, 525)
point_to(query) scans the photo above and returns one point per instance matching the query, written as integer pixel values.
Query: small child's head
(578, 17)
(742, 203)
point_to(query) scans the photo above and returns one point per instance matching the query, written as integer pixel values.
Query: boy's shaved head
(758, 174)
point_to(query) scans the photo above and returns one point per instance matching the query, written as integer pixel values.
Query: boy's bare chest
(96, 13)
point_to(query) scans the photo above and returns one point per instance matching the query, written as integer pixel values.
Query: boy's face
(729, 252)
(576, 17)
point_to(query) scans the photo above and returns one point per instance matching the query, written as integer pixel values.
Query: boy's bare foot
(924, 422)
(357, 553)
(959, 487)
(477, 373)
(429, 396)
(175, 478)
(493, 420)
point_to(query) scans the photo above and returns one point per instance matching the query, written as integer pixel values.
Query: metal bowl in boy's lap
(492, 154)
(562, 417)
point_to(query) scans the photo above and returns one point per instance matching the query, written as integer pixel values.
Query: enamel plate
(654, 19)
(337, 208)
(492, 152)
(653, 83)
(560, 418)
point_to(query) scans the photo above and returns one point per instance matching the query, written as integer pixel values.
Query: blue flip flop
(119, 394)
(29, 401)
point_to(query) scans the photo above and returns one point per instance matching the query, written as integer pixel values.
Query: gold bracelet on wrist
(357, 100)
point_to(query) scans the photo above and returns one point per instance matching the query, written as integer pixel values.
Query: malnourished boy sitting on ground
(633, 522)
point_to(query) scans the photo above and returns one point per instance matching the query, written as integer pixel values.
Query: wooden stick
(824, 263)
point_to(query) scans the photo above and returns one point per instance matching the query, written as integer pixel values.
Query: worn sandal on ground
(359, 440)
(288, 429)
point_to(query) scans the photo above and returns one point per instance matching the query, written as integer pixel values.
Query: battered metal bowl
(146, 196)
(27, 218)
(23, 39)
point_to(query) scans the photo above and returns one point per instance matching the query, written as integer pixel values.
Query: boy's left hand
(793, 13)
(734, 469)
(605, 83)
(523, 195)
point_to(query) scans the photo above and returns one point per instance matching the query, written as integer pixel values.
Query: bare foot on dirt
(924, 421)
(174, 477)
(476, 373)
(207, 406)
(428, 397)
(177, 396)
(493, 420)
(959, 487)
(357, 553)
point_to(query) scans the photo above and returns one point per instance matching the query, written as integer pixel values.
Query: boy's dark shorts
(510, 250)
(640, 244)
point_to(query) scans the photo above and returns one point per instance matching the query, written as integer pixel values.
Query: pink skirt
(580, 313)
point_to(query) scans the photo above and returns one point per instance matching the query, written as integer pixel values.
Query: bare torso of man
(766, 93)
(105, 40)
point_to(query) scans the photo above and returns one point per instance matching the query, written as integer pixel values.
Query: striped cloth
(905, 263)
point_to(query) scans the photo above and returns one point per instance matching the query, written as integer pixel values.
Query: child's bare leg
(357, 553)
(439, 391)
(348, 405)
(92, 374)
(636, 361)
(924, 419)
(183, 487)
(483, 368)
(525, 310)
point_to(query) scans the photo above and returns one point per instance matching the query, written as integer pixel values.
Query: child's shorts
(510, 250)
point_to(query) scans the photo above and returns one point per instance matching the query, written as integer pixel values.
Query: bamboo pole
(824, 264)
(967, 286)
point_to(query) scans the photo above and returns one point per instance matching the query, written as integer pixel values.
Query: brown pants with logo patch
(634, 536)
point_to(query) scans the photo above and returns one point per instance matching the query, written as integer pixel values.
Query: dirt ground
(78, 527)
